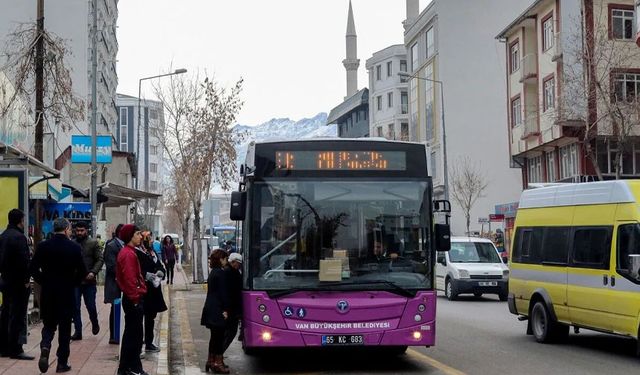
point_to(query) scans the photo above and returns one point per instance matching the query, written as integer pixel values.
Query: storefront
(508, 211)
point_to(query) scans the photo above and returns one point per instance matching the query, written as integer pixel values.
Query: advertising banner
(81, 149)
(74, 212)
(13, 185)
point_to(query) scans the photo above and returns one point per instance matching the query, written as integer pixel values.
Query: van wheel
(450, 291)
(544, 329)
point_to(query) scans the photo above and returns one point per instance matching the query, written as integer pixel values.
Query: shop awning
(12, 157)
(108, 188)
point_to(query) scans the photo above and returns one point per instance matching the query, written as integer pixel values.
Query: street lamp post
(444, 128)
(146, 134)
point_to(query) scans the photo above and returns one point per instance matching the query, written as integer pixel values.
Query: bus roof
(604, 192)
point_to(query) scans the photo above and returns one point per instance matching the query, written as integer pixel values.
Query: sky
(289, 52)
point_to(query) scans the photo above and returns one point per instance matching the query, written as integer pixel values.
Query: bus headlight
(266, 318)
(417, 335)
(417, 317)
(266, 336)
(464, 274)
(262, 308)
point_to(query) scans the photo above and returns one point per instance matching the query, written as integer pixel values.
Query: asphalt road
(474, 336)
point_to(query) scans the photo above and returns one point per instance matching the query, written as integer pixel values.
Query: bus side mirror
(443, 237)
(634, 266)
(441, 206)
(238, 205)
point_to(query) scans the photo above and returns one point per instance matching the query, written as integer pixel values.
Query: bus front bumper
(259, 335)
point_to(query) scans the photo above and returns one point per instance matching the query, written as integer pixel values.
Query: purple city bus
(339, 243)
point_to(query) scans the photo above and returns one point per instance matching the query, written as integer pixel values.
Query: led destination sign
(341, 160)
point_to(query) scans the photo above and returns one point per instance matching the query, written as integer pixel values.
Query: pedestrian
(14, 281)
(130, 281)
(157, 247)
(234, 279)
(153, 272)
(169, 255)
(216, 311)
(111, 290)
(58, 266)
(93, 259)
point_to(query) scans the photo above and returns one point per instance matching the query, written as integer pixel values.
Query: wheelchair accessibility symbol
(288, 311)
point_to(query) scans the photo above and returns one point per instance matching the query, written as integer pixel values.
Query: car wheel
(449, 290)
(503, 297)
(477, 295)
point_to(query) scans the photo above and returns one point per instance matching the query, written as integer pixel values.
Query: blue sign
(302, 312)
(288, 311)
(81, 149)
(74, 212)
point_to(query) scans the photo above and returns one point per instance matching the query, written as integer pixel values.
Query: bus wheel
(397, 350)
(450, 291)
(544, 329)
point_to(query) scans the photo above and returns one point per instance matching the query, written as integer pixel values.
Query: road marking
(433, 363)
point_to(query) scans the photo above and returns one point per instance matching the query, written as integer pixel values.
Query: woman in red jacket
(130, 281)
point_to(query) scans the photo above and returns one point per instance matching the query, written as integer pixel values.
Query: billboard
(74, 212)
(81, 149)
(13, 185)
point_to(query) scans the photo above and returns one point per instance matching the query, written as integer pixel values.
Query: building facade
(559, 123)
(71, 20)
(389, 99)
(450, 45)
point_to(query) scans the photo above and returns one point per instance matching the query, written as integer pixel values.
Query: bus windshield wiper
(398, 289)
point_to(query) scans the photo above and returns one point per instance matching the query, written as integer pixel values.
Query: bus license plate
(342, 340)
(488, 283)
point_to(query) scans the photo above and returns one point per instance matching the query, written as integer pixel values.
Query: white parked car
(472, 266)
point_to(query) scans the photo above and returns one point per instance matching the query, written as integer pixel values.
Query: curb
(163, 357)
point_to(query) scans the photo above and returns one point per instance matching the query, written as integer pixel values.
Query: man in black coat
(234, 281)
(111, 290)
(14, 273)
(58, 266)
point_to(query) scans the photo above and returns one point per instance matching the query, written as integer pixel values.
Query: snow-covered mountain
(284, 129)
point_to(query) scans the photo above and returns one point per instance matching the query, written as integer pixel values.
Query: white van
(473, 266)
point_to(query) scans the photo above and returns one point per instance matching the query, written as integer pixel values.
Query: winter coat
(129, 275)
(234, 280)
(154, 300)
(14, 257)
(169, 253)
(92, 255)
(58, 267)
(217, 300)
(111, 289)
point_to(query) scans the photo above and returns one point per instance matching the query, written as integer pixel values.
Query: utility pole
(94, 119)
(39, 70)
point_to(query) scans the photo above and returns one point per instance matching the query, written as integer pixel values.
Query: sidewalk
(92, 355)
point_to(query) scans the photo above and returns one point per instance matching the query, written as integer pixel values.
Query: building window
(549, 88)
(547, 32)
(389, 68)
(153, 167)
(403, 65)
(514, 57)
(414, 57)
(568, 161)
(390, 99)
(404, 102)
(124, 129)
(153, 185)
(391, 134)
(516, 112)
(626, 86)
(621, 24)
(552, 176)
(535, 169)
(379, 102)
(429, 101)
(153, 113)
(124, 116)
(153, 150)
(629, 163)
(404, 131)
(379, 131)
(434, 163)
(431, 48)
(378, 72)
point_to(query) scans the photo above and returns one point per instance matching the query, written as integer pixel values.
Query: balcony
(556, 50)
(529, 69)
(530, 127)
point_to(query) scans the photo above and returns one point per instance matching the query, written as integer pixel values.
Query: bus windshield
(225, 234)
(374, 232)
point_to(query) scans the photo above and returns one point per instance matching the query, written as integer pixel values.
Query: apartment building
(389, 100)
(558, 101)
(451, 46)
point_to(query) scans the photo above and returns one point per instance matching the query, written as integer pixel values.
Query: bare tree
(468, 184)
(62, 106)
(594, 100)
(177, 202)
(199, 141)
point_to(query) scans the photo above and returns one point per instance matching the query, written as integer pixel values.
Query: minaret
(351, 63)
